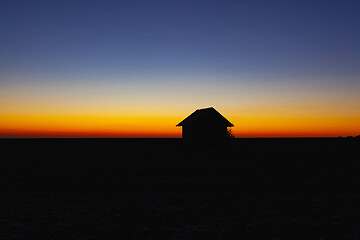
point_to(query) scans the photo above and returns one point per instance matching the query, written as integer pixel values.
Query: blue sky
(235, 54)
(154, 37)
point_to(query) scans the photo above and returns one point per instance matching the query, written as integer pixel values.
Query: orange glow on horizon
(87, 126)
(256, 107)
(84, 134)
(13, 126)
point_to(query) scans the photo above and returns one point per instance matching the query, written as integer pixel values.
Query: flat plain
(169, 189)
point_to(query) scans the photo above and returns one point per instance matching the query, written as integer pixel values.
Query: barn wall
(204, 132)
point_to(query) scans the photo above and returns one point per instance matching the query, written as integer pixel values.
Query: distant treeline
(351, 137)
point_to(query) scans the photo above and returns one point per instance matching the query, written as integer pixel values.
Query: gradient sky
(137, 68)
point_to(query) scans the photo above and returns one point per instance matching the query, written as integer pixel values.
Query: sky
(137, 68)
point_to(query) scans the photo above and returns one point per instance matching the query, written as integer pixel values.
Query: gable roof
(204, 115)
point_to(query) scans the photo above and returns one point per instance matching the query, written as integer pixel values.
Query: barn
(205, 124)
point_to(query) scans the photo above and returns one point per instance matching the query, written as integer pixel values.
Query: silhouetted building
(205, 124)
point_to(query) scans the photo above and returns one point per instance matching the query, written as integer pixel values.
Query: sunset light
(108, 72)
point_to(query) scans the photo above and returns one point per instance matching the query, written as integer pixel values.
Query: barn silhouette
(205, 124)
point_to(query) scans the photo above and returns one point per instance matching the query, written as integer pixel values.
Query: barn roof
(204, 116)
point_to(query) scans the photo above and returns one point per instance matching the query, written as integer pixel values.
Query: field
(168, 189)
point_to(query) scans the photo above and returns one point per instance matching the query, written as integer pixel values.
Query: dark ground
(165, 189)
